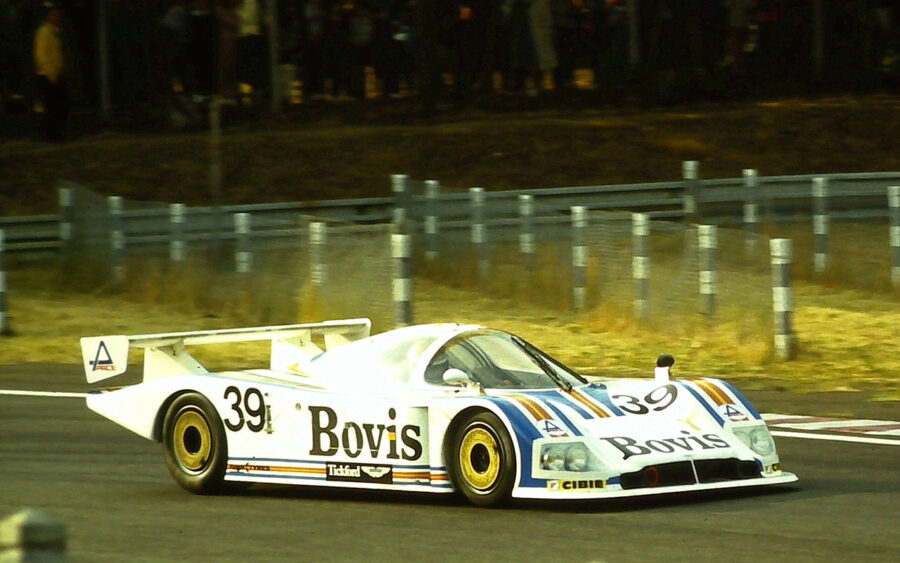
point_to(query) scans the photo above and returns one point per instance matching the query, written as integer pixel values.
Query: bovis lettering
(353, 438)
(689, 443)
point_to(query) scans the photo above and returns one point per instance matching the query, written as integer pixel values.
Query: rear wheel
(482, 462)
(194, 444)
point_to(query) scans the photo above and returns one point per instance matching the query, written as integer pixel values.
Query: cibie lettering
(579, 485)
(687, 443)
(329, 437)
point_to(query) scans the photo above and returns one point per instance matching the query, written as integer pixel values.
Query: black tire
(482, 460)
(194, 443)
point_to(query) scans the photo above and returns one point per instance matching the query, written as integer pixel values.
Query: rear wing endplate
(165, 354)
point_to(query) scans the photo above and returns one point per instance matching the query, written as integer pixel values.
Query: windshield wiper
(542, 363)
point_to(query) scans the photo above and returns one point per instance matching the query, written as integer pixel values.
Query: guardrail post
(579, 257)
(317, 242)
(31, 535)
(243, 257)
(782, 302)
(820, 224)
(692, 202)
(432, 192)
(400, 188)
(176, 232)
(526, 225)
(66, 214)
(479, 234)
(751, 212)
(4, 322)
(894, 230)
(640, 263)
(117, 237)
(708, 243)
(402, 283)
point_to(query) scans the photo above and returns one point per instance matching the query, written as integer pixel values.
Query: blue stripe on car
(600, 393)
(550, 399)
(560, 398)
(525, 434)
(741, 398)
(700, 400)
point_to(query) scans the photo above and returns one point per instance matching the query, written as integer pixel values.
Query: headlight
(761, 442)
(577, 458)
(553, 458)
(757, 439)
(566, 457)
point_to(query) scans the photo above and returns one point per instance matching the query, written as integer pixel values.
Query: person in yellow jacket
(50, 66)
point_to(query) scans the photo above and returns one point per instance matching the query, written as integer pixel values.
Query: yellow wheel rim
(479, 459)
(191, 440)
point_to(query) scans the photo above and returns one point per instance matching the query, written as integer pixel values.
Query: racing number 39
(658, 399)
(255, 408)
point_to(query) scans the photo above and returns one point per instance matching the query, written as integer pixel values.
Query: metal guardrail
(852, 196)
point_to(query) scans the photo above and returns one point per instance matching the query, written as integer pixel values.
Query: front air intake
(690, 473)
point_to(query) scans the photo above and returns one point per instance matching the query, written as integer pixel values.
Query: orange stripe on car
(535, 409)
(587, 402)
(713, 391)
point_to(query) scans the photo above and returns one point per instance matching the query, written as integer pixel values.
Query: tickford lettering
(689, 443)
(353, 438)
(343, 470)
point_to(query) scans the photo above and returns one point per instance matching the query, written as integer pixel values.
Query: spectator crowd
(348, 49)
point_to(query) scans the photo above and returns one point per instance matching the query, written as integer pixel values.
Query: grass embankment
(848, 340)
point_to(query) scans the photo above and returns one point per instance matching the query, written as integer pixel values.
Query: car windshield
(498, 360)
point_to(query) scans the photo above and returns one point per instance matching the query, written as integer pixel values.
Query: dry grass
(848, 340)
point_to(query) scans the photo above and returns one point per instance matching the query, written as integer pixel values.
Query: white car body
(368, 413)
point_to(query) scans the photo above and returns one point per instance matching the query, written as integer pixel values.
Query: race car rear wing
(165, 354)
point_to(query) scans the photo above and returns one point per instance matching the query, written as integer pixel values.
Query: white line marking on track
(858, 439)
(43, 393)
(832, 424)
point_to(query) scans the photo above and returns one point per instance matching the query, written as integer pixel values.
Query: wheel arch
(464, 414)
(164, 408)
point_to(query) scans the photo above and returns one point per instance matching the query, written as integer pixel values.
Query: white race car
(434, 408)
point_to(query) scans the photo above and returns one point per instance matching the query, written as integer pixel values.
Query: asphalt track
(112, 490)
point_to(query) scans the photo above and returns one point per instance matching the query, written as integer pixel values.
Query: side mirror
(454, 376)
(664, 364)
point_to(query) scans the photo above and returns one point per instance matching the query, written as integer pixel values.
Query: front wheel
(194, 444)
(482, 462)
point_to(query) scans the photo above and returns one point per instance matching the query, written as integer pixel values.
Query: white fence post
(751, 212)
(579, 257)
(894, 232)
(4, 315)
(402, 282)
(820, 224)
(692, 197)
(117, 237)
(400, 188)
(317, 242)
(479, 233)
(176, 228)
(640, 231)
(432, 192)
(526, 227)
(66, 212)
(243, 257)
(782, 302)
(708, 243)
(31, 535)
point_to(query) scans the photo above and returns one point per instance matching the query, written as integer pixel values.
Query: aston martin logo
(375, 472)
(359, 473)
